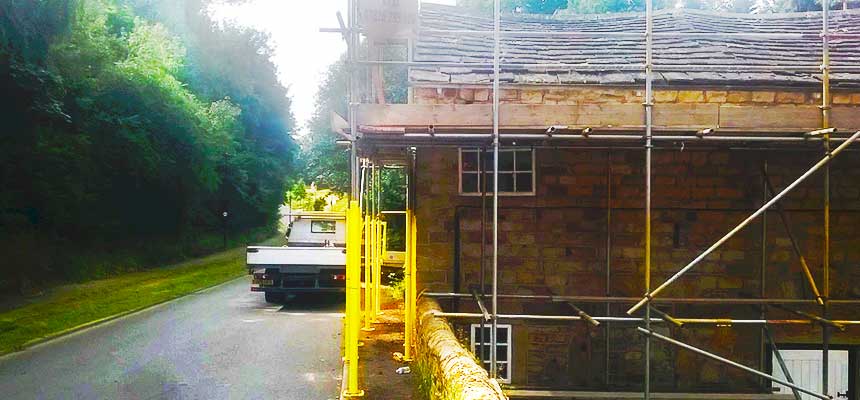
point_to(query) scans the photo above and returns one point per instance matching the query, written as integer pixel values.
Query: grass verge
(68, 307)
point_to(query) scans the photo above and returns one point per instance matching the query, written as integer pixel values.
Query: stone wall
(601, 95)
(555, 243)
(451, 371)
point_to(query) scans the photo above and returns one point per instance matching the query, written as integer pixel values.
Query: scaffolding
(365, 185)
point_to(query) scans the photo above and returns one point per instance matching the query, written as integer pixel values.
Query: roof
(593, 60)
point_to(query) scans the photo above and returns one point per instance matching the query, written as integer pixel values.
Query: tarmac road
(223, 343)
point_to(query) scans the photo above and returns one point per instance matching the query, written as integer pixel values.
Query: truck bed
(264, 256)
(278, 271)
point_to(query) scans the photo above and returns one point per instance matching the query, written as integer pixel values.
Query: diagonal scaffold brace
(724, 360)
(821, 163)
(804, 266)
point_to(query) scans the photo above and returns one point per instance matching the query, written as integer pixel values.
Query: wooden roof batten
(608, 51)
(605, 121)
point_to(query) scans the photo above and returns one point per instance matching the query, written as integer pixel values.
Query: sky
(302, 52)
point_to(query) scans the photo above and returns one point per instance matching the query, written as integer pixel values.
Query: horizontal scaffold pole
(565, 136)
(637, 34)
(630, 300)
(617, 67)
(615, 34)
(691, 321)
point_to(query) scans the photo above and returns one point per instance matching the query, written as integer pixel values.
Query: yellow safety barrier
(353, 298)
(413, 280)
(374, 274)
(368, 271)
(408, 277)
(377, 273)
(384, 240)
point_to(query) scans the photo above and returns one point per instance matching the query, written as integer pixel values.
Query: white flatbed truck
(313, 261)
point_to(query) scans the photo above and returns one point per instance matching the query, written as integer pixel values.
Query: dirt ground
(375, 356)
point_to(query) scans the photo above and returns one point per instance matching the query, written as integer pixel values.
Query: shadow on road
(314, 303)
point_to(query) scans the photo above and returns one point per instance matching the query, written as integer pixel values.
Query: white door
(805, 369)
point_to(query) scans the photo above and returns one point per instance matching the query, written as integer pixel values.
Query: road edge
(343, 381)
(104, 320)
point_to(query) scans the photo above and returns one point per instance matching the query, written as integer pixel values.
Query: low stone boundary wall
(451, 371)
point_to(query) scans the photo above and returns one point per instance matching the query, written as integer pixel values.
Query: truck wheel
(275, 297)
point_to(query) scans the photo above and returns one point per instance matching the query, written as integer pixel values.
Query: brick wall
(555, 243)
(592, 95)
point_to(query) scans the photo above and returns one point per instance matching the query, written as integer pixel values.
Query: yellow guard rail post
(377, 275)
(368, 295)
(384, 241)
(371, 285)
(353, 297)
(374, 276)
(408, 273)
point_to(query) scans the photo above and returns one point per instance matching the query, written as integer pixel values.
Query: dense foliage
(326, 164)
(119, 131)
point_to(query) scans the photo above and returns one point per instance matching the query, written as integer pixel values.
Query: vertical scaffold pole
(412, 284)
(384, 250)
(482, 178)
(365, 190)
(648, 103)
(409, 261)
(497, 16)
(408, 311)
(377, 251)
(361, 181)
(373, 277)
(353, 222)
(370, 267)
(368, 296)
(825, 123)
(763, 273)
(352, 97)
(608, 282)
(353, 297)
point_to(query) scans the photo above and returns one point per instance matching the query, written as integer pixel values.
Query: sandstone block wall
(571, 95)
(555, 243)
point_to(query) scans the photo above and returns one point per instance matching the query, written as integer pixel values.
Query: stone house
(572, 191)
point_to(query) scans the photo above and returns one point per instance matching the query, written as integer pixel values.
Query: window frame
(473, 330)
(481, 173)
(333, 222)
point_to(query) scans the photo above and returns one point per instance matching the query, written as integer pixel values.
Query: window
(503, 348)
(516, 172)
(805, 368)
(322, 226)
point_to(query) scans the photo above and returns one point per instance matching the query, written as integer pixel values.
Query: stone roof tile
(587, 55)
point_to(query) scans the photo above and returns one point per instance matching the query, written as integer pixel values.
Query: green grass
(67, 307)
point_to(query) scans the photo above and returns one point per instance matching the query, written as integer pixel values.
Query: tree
(524, 6)
(118, 131)
(324, 162)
